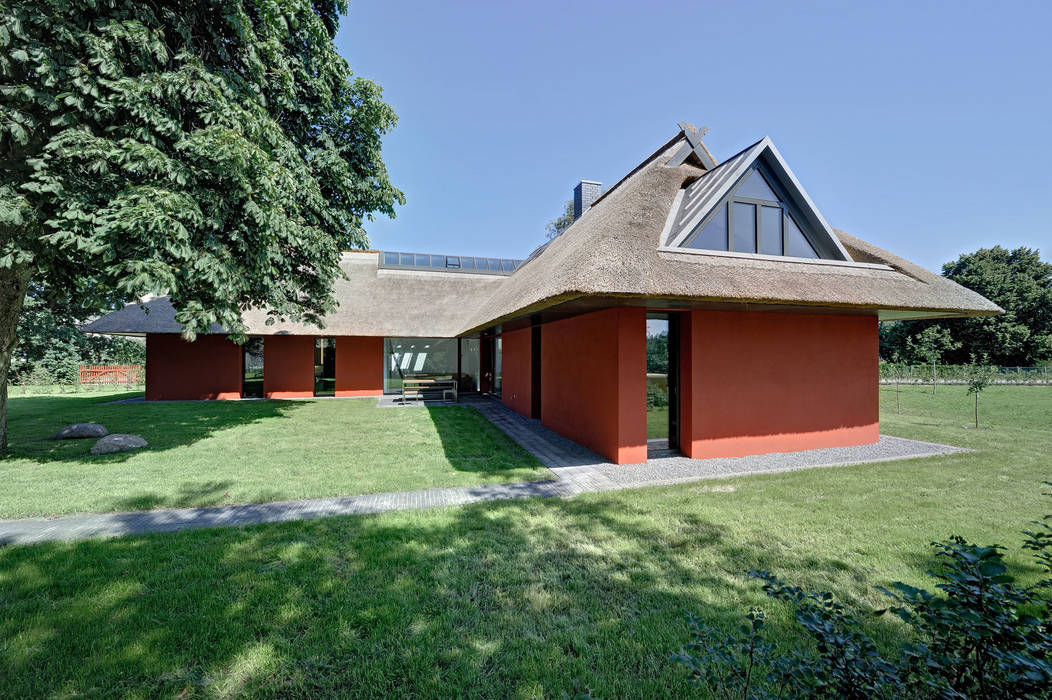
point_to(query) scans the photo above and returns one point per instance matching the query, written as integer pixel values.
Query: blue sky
(923, 127)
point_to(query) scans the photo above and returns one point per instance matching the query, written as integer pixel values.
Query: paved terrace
(575, 470)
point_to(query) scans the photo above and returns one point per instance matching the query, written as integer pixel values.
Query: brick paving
(575, 470)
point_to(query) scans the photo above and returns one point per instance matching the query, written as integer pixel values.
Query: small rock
(81, 430)
(118, 442)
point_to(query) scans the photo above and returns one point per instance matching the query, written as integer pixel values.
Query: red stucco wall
(208, 368)
(516, 390)
(776, 382)
(359, 365)
(593, 373)
(288, 366)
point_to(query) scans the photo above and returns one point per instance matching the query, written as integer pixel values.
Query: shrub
(981, 635)
(656, 396)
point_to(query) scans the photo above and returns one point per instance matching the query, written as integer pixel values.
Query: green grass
(517, 598)
(207, 453)
(657, 422)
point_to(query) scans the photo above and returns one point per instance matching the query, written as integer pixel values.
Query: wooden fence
(110, 374)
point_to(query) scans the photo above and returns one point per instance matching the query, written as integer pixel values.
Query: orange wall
(208, 368)
(359, 365)
(593, 371)
(762, 382)
(517, 387)
(288, 366)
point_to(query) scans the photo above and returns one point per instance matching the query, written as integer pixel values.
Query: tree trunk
(13, 283)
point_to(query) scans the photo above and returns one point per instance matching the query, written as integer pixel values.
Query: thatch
(614, 250)
(372, 302)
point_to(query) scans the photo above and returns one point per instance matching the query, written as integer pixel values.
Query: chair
(449, 395)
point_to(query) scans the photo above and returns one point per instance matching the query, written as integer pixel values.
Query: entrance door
(324, 366)
(252, 366)
(662, 408)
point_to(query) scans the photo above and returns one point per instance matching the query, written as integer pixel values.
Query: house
(771, 318)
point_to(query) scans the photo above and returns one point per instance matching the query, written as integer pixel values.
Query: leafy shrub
(980, 636)
(656, 396)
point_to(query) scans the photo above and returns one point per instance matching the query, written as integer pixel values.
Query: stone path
(576, 470)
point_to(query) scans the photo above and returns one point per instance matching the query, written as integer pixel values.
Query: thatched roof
(372, 301)
(617, 251)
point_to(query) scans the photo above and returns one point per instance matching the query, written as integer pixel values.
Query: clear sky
(923, 127)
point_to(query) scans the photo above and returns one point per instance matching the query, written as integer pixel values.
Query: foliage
(657, 353)
(50, 348)
(981, 635)
(929, 345)
(1016, 280)
(656, 395)
(562, 222)
(500, 599)
(215, 151)
(978, 379)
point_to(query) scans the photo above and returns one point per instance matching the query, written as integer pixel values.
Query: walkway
(576, 471)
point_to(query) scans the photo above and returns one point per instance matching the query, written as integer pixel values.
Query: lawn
(207, 453)
(510, 599)
(657, 422)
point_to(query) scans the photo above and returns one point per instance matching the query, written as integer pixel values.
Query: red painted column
(517, 388)
(593, 373)
(288, 366)
(207, 368)
(779, 382)
(359, 365)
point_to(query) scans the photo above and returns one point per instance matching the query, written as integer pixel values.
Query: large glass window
(754, 220)
(324, 366)
(431, 358)
(252, 381)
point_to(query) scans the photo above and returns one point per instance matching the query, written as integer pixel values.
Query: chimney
(586, 192)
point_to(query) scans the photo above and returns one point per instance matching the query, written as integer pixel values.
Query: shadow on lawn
(500, 599)
(165, 425)
(471, 443)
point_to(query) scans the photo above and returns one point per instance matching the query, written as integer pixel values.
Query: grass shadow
(471, 443)
(503, 599)
(32, 420)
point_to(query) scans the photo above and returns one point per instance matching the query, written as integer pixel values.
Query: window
(755, 219)
(252, 362)
(324, 366)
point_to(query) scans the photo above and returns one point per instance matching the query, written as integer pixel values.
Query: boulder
(81, 430)
(117, 442)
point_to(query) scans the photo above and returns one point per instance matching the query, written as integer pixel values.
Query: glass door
(252, 366)
(324, 366)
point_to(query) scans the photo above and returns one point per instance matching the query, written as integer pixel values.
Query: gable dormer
(751, 204)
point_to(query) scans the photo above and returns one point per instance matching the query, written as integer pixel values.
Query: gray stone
(81, 430)
(118, 442)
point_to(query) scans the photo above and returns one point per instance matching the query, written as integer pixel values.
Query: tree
(1020, 283)
(1017, 281)
(657, 353)
(978, 380)
(49, 343)
(930, 345)
(217, 151)
(559, 224)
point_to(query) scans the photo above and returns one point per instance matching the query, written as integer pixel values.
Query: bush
(982, 635)
(656, 396)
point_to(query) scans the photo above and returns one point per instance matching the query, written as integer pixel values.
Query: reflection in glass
(324, 366)
(771, 230)
(431, 358)
(744, 228)
(756, 186)
(252, 381)
(714, 235)
(797, 245)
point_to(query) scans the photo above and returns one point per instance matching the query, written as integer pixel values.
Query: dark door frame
(535, 372)
(673, 379)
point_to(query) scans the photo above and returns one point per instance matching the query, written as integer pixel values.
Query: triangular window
(714, 235)
(753, 219)
(755, 187)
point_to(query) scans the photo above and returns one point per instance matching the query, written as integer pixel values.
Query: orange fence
(111, 374)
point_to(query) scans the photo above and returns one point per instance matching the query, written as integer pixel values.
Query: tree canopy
(218, 151)
(562, 222)
(1016, 280)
